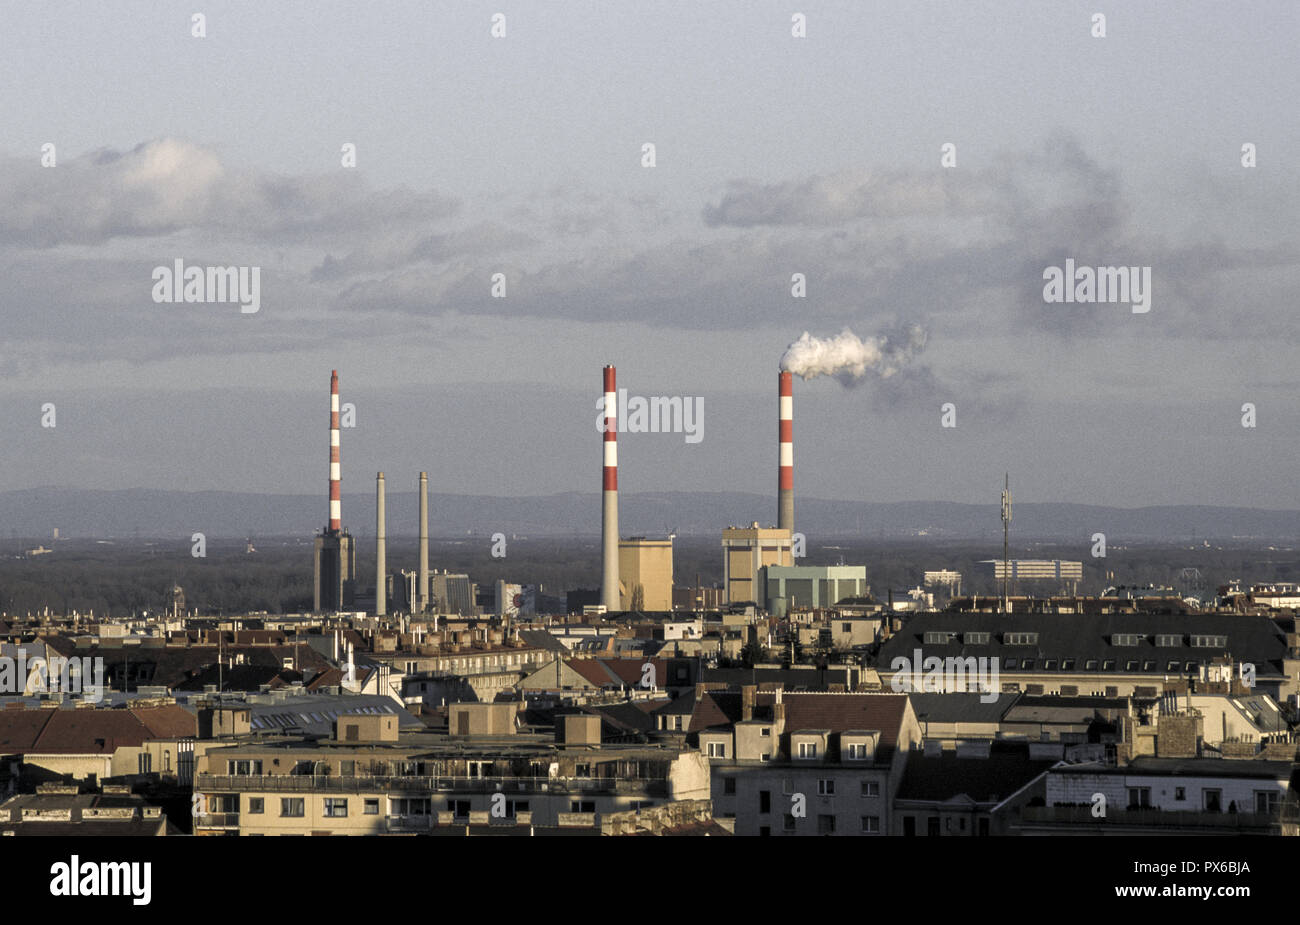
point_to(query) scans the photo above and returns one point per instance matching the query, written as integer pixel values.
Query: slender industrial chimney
(422, 592)
(785, 459)
(381, 550)
(336, 505)
(609, 499)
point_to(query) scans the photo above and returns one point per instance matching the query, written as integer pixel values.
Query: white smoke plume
(848, 357)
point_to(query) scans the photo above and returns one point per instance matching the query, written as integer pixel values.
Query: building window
(1266, 801)
(1067, 664)
(932, 827)
(244, 768)
(459, 808)
(871, 825)
(807, 749)
(788, 822)
(256, 805)
(292, 807)
(717, 750)
(1139, 797)
(1213, 800)
(729, 785)
(765, 757)
(826, 787)
(582, 806)
(825, 824)
(145, 762)
(870, 788)
(764, 801)
(857, 751)
(336, 807)
(371, 806)
(765, 731)
(1180, 793)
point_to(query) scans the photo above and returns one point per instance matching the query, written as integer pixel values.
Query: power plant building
(647, 565)
(454, 594)
(803, 587)
(745, 552)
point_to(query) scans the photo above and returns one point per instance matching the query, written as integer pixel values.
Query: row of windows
(1093, 664)
(825, 787)
(1266, 801)
(337, 807)
(1162, 640)
(868, 825)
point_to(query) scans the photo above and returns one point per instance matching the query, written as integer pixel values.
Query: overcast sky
(775, 155)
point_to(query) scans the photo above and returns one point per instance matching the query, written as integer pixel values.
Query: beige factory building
(745, 550)
(648, 565)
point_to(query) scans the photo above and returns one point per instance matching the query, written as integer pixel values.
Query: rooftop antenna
(1006, 533)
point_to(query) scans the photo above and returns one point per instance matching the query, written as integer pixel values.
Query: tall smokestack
(785, 460)
(422, 592)
(609, 501)
(381, 550)
(336, 505)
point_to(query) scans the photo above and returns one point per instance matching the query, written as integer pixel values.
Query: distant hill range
(138, 512)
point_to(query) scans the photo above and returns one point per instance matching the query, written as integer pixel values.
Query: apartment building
(1166, 796)
(1092, 654)
(805, 763)
(369, 780)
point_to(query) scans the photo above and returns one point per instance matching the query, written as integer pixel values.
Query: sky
(523, 155)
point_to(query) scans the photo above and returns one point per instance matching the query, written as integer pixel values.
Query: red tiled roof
(19, 729)
(167, 722)
(90, 732)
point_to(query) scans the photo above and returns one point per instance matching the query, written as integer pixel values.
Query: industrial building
(645, 570)
(804, 587)
(745, 552)
(454, 594)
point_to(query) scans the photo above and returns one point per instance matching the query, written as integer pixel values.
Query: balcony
(1076, 816)
(217, 821)
(295, 783)
(411, 824)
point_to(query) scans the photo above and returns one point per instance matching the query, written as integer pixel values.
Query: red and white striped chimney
(336, 504)
(609, 595)
(785, 459)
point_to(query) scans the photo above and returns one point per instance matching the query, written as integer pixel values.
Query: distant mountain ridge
(103, 514)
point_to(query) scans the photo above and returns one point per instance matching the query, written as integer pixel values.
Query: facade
(427, 782)
(648, 565)
(453, 594)
(335, 572)
(746, 551)
(1091, 654)
(804, 587)
(805, 763)
(1165, 796)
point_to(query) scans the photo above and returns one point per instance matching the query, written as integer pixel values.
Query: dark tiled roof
(1254, 639)
(961, 708)
(983, 780)
(793, 679)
